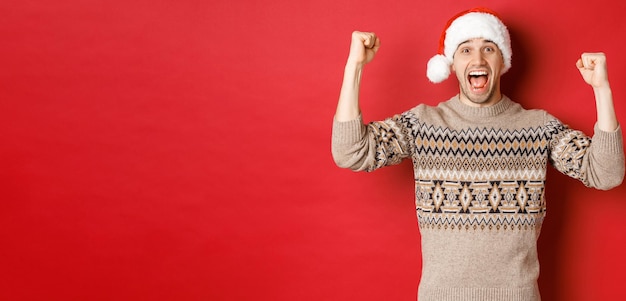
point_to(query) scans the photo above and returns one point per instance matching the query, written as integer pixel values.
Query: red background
(180, 150)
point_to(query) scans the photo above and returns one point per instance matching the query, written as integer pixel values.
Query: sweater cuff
(348, 132)
(611, 142)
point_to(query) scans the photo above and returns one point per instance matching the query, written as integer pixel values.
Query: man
(479, 160)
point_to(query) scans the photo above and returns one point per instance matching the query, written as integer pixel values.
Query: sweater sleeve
(361, 147)
(597, 161)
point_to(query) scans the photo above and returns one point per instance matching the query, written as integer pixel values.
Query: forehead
(479, 42)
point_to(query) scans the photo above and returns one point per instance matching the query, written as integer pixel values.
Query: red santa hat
(474, 23)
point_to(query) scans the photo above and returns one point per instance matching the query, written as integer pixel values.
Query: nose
(478, 58)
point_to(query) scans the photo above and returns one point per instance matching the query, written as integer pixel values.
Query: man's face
(478, 64)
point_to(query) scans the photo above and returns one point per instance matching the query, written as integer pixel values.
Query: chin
(484, 99)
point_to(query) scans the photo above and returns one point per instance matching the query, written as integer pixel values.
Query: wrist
(603, 93)
(354, 65)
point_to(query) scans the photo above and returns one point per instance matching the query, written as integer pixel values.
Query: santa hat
(474, 23)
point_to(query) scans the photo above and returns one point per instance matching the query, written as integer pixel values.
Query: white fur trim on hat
(477, 23)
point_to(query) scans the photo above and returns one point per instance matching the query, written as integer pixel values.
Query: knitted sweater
(479, 187)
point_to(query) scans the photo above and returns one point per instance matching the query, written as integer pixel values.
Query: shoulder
(538, 117)
(422, 109)
(425, 111)
(542, 120)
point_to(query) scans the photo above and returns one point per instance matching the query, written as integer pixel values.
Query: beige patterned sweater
(479, 187)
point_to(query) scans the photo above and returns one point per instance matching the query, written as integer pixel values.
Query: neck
(481, 103)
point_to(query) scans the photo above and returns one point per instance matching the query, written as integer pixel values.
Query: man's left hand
(592, 67)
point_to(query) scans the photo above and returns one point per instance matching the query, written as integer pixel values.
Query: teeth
(477, 73)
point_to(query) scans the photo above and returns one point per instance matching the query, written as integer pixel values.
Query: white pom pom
(438, 68)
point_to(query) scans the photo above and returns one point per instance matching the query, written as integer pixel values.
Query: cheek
(499, 61)
(458, 71)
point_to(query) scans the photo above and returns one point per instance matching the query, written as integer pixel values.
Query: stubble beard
(482, 98)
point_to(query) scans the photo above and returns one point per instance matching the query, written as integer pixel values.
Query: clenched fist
(363, 47)
(592, 67)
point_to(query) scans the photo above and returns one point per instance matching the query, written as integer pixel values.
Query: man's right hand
(363, 47)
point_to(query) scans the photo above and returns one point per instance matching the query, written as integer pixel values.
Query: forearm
(593, 68)
(607, 120)
(348, 104)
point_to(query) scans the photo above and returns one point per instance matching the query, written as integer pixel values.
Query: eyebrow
(486, 41)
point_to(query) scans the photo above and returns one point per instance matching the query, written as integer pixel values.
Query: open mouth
(478, 79)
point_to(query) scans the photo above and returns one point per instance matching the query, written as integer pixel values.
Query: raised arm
(592, 67)
(363, 48)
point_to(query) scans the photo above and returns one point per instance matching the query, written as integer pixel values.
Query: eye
(490, 48)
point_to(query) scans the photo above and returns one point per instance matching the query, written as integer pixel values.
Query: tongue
(478, 81)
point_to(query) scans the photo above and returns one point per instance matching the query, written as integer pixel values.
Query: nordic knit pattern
(479, 187)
